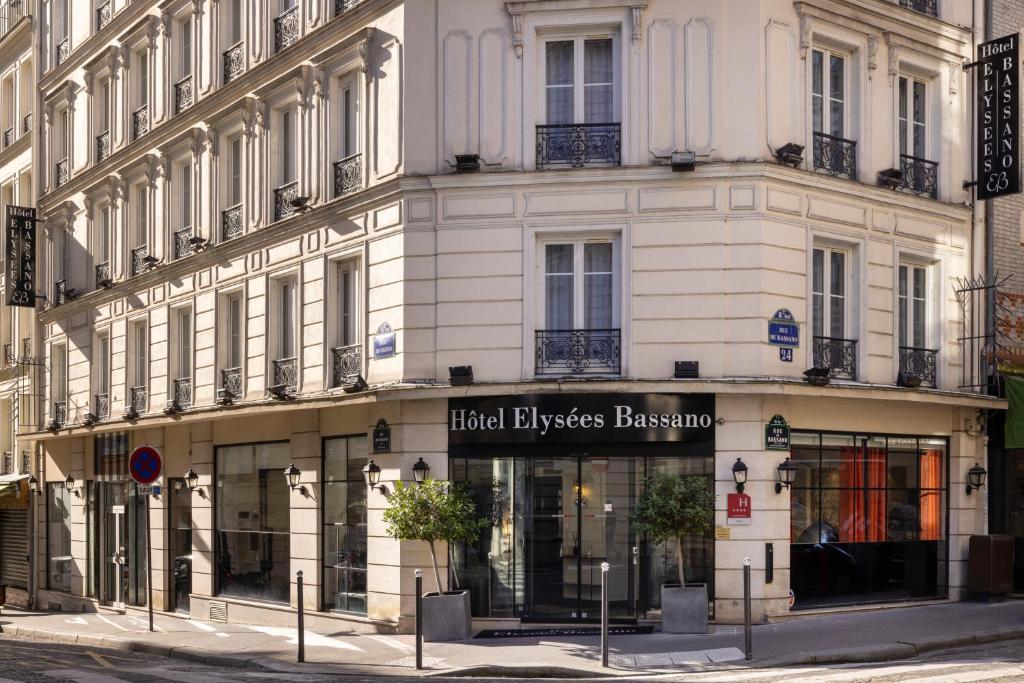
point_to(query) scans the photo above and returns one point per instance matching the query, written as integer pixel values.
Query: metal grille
(26, 350)
(63, 50)
(919, 363)
(102, 146)
(9, 137)
(231, 223)
(182, 245)
(283, 197)
(10, 13)
(183, 94)
(838, 355)
(348, 175)
(111, 456)
(578, 145)
(348, 363)
(183, 392)
(138, 399)
(835, 156)
(102, 15)
(26, 124)
(924, 6)
(578, 352)
(231, 381)
(102, 273)
(140, 121)
(920, 176)
(9, 358)
(234, 62)
(102, 406)
(217, 611)
(342, 6)
(60, 413)
(286, 28)
(980, 346)
(139, 262)
(62, 172)
(60, 293)
(286, 373)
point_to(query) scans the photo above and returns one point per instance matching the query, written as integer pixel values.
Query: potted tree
(437, 511)
(672, 507)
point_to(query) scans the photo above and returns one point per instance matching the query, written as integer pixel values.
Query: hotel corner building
(258, 252)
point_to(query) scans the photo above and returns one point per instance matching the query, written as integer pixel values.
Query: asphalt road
(23, 661)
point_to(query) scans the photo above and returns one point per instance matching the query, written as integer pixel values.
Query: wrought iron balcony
(11, 12)
(348, 362)
(63, 50)
(140, 122)
(835, 156)
(182, 245)
(140, 261)
(102, 15)
(9, 358)
(838, 355)
(342, 6)
(231, 382)
(923, 6)
(231, 223)
(102, 273)
(234, 62)
(60, 293)
(102, 407)
(286, 373)
(283, 197)
(578, 352)
(286, 28)
(102, 146)
(183, 392)
(60, 413)
(26, 123)
(137, 395)
(919, 363)
(348, 175)
(577, 145)
(183, 94)
(26, 350)
(62, 174)
(920, 176)
(9, 137)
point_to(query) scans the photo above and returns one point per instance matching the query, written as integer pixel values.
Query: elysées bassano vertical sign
(20, 256)
(998, 117)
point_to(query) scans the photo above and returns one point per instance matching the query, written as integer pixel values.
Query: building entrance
(122, 545)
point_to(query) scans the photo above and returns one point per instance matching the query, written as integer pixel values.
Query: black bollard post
(302, 615)
(748, 636)
(419, 619)
(604, 614)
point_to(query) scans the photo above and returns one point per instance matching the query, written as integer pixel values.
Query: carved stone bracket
(894, 62)
(806, 31)
(872, 56)
(253, 115)
(638, 22)
(517, 33)
(364, 51)
(955, 70)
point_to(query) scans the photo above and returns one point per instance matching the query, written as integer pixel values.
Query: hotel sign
(998, 162)
(582, 418)
(20, 250)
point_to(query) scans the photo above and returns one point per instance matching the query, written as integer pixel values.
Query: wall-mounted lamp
(467, 163)
(739, 474)
(292, 474)
(790, 154)
(280, 392)
(198, 242)
(687, 369)
(69, 484)
(192, 482)
(684, 161)
(976, 477)
(300, 204)
(787, 474)
(90, 419)
(890, 178)
(460, 375)
(130, 413)
(372, 475)
(818, 376)
(908, 380)
(151, 261)
(355, 385)
(33, 485)
(420, 471)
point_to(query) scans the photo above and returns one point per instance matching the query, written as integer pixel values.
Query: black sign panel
(20, 255)
(582, 418)
(998, 117)
(382, 437)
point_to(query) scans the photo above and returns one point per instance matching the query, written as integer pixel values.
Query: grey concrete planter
(684, 609)
(446, 616)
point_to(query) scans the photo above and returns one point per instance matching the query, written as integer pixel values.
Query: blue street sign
(384, 342)
(783, 330)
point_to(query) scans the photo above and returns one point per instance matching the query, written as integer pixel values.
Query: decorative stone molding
(364, 51)
(872, 56)
(955, 70)
(254, 114)
(806, 31)
(894, 62)
(517, 9)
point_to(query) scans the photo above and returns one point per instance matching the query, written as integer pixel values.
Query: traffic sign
(145, 464)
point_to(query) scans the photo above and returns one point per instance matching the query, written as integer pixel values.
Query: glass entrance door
(114, 547)
(181, 543)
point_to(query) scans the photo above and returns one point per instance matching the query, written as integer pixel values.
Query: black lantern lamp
(33, 485)
(739, 474)
(292, 474)
(69, 483)
(372, 475)
(192, 481)
(787, 474)
(420, 471)
(976, 477)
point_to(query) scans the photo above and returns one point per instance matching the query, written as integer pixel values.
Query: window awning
(12, 478)
(1014, 432)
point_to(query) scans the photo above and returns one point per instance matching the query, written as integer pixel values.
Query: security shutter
(14, 548)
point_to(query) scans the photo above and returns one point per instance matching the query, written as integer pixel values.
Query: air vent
(218, 611)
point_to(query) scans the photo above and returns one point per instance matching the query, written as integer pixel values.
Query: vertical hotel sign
(20, 251)
(998, 117)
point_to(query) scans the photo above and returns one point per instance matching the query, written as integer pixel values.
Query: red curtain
(862, 500)
(931, 501)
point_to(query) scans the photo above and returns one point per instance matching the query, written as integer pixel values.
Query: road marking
(79, 676)
(312, 639)
(76, 620)
(209, 629)
(143, 622)
(111, 622)
(100, 660)
(390, 642)
(970, 676)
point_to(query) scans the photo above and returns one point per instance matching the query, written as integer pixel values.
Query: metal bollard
(302, 617)
(604, 614)
(419, 619)
(748, 636)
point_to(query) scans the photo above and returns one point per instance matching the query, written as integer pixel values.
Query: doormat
(556, 632)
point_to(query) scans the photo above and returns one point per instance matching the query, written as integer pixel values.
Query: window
(348, 121)
(8, 463)
(253, 522)
(286, 331)
(140, 233)
(143, 83)
(347, 167)
(285, 362)
(344, 513)
(235, 21)
(347, 359)
(287, 146)
(913, 306)
(103, 109)
(185, 56)
(181, 362)
(345, 330)
(138, 365)
(25, 462)
(828, 93)
(234, 325)
(58, 537)
(234, 171)
(102, 376)
(183, 232)
(829, 293)
(912, 105)
(59, 373)
(580, 81)
(103, 237)
(579, 286)
(231, 354)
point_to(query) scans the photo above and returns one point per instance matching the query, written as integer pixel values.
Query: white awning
(5, 478)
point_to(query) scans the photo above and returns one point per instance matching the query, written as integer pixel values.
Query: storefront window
(58, 537)
(253, 521)
(344, 501)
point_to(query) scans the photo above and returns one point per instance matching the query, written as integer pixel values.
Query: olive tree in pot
(436, 512)
(670, 508)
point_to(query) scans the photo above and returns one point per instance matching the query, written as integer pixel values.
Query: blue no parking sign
(145, 464)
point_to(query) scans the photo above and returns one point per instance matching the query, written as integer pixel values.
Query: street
(23, 661)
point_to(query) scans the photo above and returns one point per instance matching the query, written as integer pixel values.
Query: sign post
(998, 83)
(145, 465)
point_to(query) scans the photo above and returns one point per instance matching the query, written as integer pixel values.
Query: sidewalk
(866, 636)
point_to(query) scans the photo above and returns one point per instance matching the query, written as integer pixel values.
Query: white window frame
(848, 63)
(137, 370)
(185, 62)
(287, 140)
(183, 345)
(848, 291)
(101, 364)
(58, 372)
(578, 242)
(579, 39)
(225, 299)
(276, 320)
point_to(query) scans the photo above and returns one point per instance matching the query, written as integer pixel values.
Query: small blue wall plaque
(783, 330)
(384, 342)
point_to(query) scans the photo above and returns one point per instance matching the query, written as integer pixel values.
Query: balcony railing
(578, 352)
(920, 176)
(183, 94)
(140, 260)
(348, 363)
(9, 358)
(60, 293)
(182, 245)
(137, 396)
(286, 28)
(183, 392)
(348, 175)
(286, 373)
(61, 175)
(835, 156)
(924, 6)
(26, 123)
(102, 407)
(102, 273)
(283, 196)
(11, 12)
(63, 50)
(9, 137)
(140, 122)
(579, 144)
(60, 413)
(231, 382)
(26, 350)
(234, 62)
(342, 6)
(102, 146)
(838, 355)
(102, 15)
(919, 363)
(231, 223)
